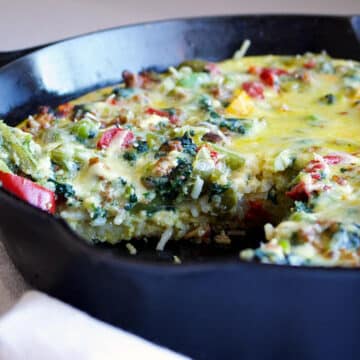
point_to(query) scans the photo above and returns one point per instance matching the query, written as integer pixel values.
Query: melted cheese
(297, 116)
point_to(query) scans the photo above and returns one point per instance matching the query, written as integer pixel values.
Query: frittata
(201, 152)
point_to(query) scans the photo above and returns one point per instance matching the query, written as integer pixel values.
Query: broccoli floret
(64, 190)
(205, 103)
(99, 213)
(217, 189)
(169, 187)
(240, 126)
(130, 156)
(142, 147)
(187, 143)
(132, 201)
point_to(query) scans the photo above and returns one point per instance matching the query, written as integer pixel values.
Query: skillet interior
(201, 310)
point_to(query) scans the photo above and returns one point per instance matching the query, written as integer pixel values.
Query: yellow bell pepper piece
(241, 105)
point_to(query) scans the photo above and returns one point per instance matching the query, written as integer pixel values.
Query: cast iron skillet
(209, 309)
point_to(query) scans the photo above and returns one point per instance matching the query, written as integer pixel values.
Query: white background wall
(28, 22)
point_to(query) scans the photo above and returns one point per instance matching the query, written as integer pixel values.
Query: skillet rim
(133, 263)
(28, 51)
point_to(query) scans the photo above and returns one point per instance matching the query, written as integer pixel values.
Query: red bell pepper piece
(152, 111)
(109, 135)
(333, 159)
(256, 212)
(213, 154)
(299, 192)
(314, 167)
(29, 191)
(254, 89)
(172, 118)
(315, 176)
(112, 101)
(310, 64)
(269, 76)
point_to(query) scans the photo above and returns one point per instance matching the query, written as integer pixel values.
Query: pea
(85, 129)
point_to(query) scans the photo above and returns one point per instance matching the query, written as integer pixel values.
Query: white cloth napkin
(39, 327)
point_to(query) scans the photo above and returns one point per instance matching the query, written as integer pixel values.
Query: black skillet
(210, 307)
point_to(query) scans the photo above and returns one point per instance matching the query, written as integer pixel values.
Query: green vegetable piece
(240, 126)
(189, 81)
(328, 99)
(192, 80)
(205, 103)
(4, 167)
(85, 129)
(217, 189)
(233, 158)
(285, 245)
(229, 199)
(142, 147)
(234, 162)
(130, 156)
(196, 65)
(19, 144)
(59, 157)
(214, 115)
(99, 213)
(235, 125)
(187, 143)
(132, 200)
(171, 186)
(154, 139)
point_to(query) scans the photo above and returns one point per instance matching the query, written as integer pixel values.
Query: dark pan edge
(8, 57)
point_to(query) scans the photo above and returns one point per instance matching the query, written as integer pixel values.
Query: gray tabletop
(28, 23)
